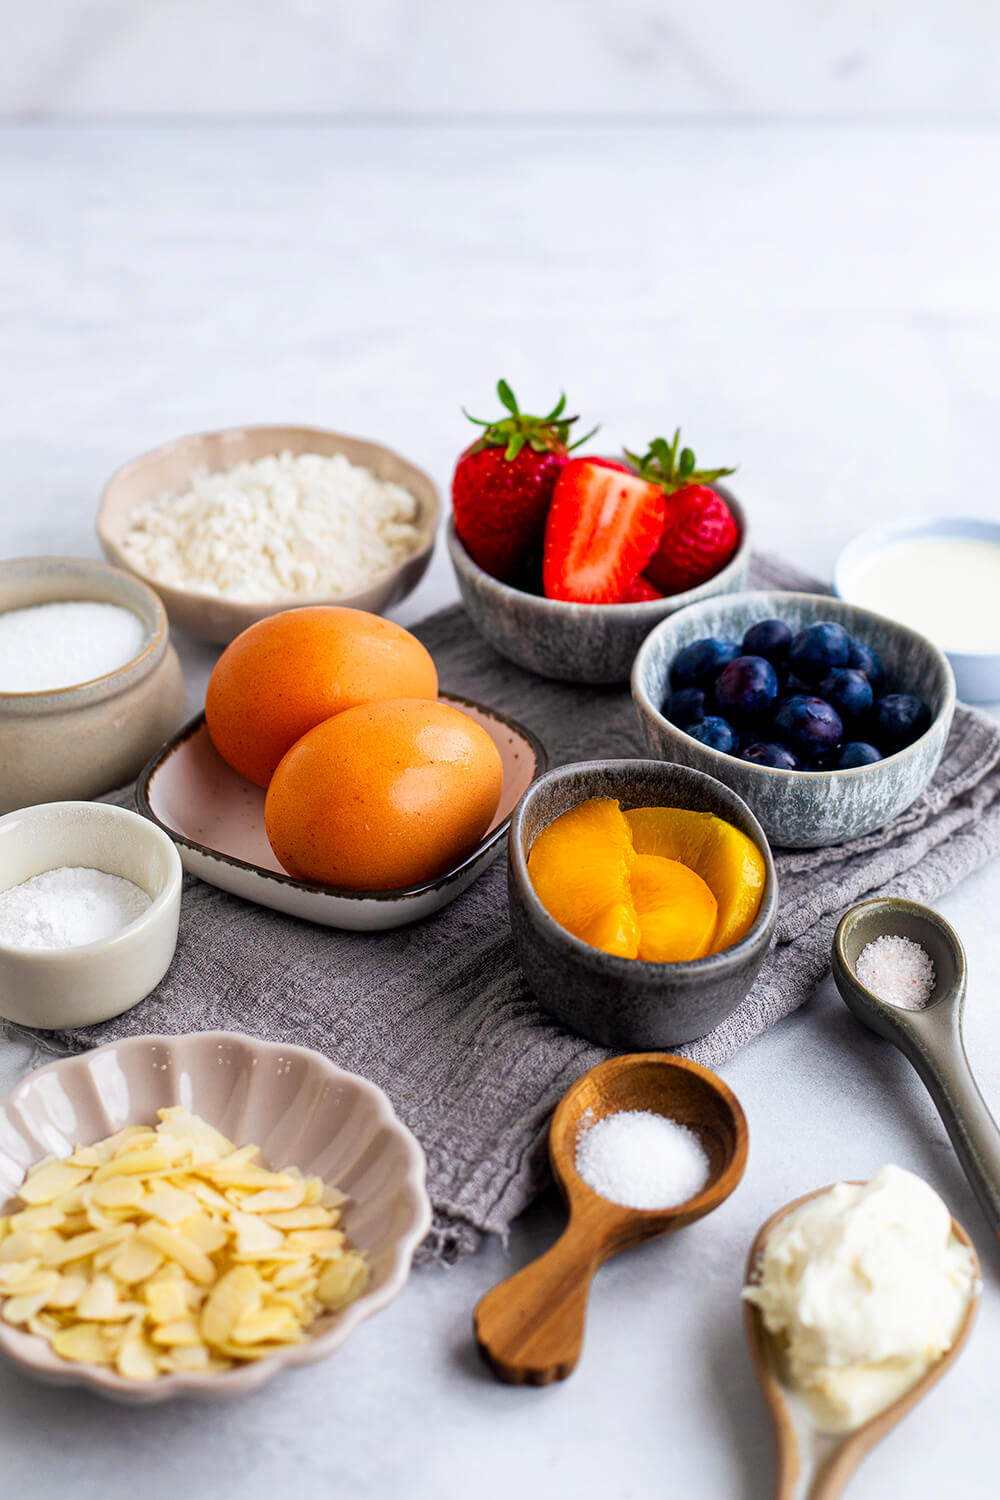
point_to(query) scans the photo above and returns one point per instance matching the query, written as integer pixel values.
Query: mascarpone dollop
(866, 1286)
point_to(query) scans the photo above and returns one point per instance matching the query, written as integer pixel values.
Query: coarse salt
(898, 971)
(45, 647)
(289, 526)
(641, 1159)
(68, 906)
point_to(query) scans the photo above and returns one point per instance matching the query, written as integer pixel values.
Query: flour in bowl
(67, 907)
(286, 527)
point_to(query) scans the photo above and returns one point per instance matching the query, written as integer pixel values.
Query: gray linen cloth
(439, 1015)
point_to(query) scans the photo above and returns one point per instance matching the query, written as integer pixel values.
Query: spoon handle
(974, 1133)
(530, 1327)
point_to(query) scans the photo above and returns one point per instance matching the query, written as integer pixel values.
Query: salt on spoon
(530, 1328)
(640, 1159)
(897, 970)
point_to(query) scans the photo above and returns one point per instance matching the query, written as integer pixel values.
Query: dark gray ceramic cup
(624, 1002)
(577, 642)
(803, 809)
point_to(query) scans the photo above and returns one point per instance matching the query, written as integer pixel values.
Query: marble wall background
(887, 59)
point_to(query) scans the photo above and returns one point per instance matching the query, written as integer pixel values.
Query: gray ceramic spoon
(930, 1038)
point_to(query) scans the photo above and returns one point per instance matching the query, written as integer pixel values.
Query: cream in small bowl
(75, 949)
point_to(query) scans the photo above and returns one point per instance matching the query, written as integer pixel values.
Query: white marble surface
(280, 59)
(821, 306)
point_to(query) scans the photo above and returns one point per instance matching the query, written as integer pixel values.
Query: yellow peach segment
(676, 909)
(579, 867)
(726, 859)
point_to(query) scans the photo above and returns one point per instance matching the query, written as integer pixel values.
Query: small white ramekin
(51, 988)
(977, 673)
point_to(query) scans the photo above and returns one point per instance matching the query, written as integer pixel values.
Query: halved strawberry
(604, 525)
(642, 591)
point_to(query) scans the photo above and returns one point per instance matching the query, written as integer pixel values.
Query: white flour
(67, 907)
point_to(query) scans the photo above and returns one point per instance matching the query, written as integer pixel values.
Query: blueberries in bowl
(810, 726)
(768, 638)
(747, 687)
(900, 718)
(849, 692)
(817, 649)
(857, 753)
(715, 733)
(810, 702)
(699, 664)
(778, 757)
(686, 706)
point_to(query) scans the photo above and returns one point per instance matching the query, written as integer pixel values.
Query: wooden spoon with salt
(530, 1328)
(813, 1464)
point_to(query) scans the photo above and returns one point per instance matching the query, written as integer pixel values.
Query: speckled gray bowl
(803, 809)
(577, 642)
(625, 1002)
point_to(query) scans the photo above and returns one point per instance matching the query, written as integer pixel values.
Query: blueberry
(747, 687)
(863, 659)
(899, 719)
(819, 648)
(849, 691)
(715, 733)
(857, 753)
(686, 706)
(808, 725)
(777, 756)
(699, 664)
(770, 638)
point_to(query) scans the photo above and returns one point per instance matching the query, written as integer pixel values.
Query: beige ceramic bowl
(169, 469)
(292, 1103)
(84, 740)
(54, 987)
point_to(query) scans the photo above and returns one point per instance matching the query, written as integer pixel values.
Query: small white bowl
(977, 673)
(49, 988)
(294, 1104)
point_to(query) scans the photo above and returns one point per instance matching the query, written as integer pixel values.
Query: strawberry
(604, 525)
(641, 591)
(503, 484)
(699, 533)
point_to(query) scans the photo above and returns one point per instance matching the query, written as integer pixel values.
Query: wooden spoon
(530, 1328)
(813, 1464)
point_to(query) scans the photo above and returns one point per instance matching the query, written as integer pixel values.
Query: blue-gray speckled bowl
(625, 1002)
(578, 642)
(803, 809)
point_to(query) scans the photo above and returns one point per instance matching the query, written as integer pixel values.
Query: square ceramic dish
(294, 1104)
(216, 819)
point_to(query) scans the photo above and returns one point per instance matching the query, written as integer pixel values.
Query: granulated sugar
(67, 907)
(898, 971)
(48, 646)
(641, 1160)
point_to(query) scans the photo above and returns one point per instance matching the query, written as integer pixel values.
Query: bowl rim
(241, 1378)
(112, 547)
(641, 696)
(729, 958)
(396, 893)
(875, 539)
(152, 646)
(569, 608)
(158, 907)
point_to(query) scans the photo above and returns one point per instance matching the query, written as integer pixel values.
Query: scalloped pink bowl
(296, 1106)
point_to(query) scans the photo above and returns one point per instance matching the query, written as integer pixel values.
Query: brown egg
(383, 795)
(293, 670)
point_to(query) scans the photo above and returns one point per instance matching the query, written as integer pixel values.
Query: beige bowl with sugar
(91, 737)
(169, 470)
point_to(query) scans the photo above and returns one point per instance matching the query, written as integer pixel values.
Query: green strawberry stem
(662, 465)
(542, 434)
